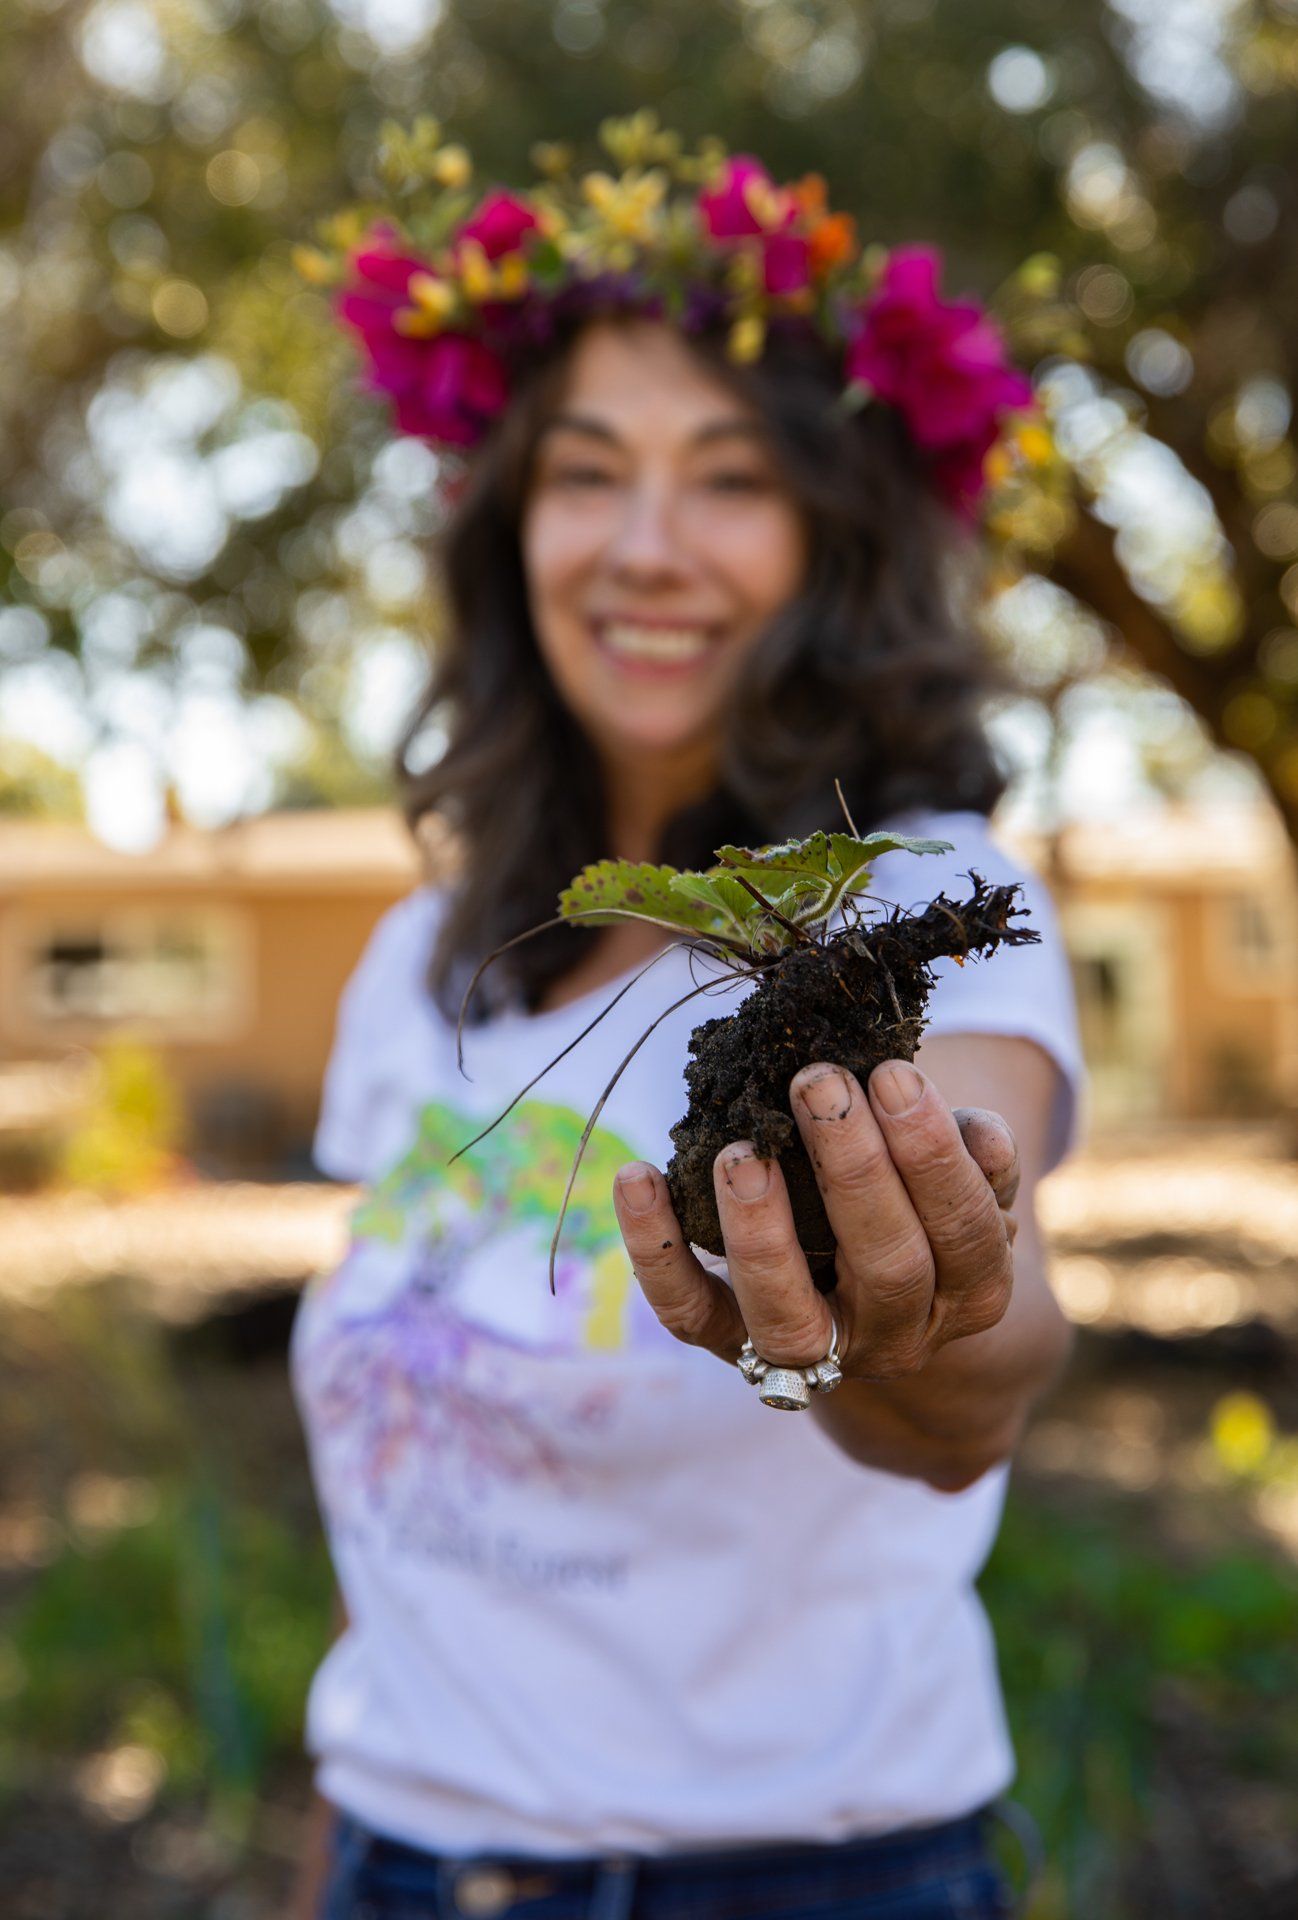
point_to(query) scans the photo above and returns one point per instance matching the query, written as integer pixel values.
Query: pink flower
(786, 263)
(725, 208)
(941, 363)
(445, 388)
(500, 225)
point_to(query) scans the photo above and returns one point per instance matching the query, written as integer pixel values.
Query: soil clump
(857, 999)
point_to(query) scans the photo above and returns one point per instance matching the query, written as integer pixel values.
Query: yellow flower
(344, 230)
(414, 323)
(1040, 276)
(476, 277)
(452, 167)
(1035, 444)
(431, 295)
(767, 203)
(747, 338)
(998, 466)
(313, 265)
(628, 206)
(512, 277)
(600, 189)
(637, 139)
(551, 157)
(1243, 1432)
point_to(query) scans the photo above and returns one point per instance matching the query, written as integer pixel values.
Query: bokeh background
(215, 612)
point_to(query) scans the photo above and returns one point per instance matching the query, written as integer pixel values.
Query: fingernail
(748, 1176)
(635, 1184)
(828, 1096)
(897, 1087)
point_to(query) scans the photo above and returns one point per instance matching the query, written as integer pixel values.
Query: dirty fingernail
(897, 1087)
(748, 1176)
(635, 1184)
(827, 1096)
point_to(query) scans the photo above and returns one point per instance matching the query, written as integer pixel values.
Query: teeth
(656, 643)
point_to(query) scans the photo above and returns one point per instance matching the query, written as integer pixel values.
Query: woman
(619, 1639)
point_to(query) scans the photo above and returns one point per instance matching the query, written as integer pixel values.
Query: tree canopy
(202, 523)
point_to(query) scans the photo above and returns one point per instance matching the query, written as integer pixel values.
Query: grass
(1108, 1645)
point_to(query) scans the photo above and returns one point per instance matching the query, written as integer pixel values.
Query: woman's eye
(736, 482)
(581, 476)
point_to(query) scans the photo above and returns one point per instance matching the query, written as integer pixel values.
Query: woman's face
(658, 541)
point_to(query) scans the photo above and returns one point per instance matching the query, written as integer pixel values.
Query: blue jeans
(935, 1873)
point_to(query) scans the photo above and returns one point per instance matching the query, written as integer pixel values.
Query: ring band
(791, 1388)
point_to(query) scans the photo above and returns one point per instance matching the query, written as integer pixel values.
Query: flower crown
(453, 293)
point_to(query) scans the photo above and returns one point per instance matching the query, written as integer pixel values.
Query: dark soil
(858, 1000)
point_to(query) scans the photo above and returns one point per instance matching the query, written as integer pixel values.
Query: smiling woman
(622, 1637)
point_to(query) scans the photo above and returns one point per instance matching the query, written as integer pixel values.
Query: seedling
(831, 984)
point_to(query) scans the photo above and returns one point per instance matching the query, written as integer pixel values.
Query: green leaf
(814, 876)
(734, 909)
(612, 890)
(803, 881)
(546, 262)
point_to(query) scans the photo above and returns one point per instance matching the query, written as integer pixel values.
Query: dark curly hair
(867, 675)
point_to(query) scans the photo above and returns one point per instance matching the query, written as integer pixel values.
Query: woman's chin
(666, 741)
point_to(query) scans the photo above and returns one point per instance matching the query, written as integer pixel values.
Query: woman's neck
(644, 794)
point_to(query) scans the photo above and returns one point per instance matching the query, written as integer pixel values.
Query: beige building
(1182, 927)
(227, 951)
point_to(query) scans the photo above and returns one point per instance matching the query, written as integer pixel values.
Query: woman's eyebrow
(600, 430)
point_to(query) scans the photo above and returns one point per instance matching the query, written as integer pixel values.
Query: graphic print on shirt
(433, 1357)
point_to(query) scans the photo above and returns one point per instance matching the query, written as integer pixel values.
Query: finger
(886, 1273)
(951, 1196)
(992, 1144)
(694, 1305)
(787, 1320)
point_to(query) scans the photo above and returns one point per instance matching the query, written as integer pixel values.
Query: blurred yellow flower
(747, 338)
(998, 466)
(552, 157)
(1034, 443)
(452, 167)
(512, 277)
(434, 303)
(1040, 276)
(476, 276)
(768, 204)
(431, 295)
(1243, 1432)
(314, 266)
(629, 206)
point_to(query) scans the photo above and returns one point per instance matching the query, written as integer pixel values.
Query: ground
(163, 1593)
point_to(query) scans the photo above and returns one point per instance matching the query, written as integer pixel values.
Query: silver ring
(791, 1388)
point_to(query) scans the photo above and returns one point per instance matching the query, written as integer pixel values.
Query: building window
(166, 971)
(1252, 938)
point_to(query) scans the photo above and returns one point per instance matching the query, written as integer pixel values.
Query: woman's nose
(646, 539)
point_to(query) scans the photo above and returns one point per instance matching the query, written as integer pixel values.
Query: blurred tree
(196, 501)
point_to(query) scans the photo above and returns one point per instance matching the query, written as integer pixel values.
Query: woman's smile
(655, 646)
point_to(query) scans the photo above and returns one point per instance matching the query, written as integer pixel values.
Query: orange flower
(809, 193)
(833, 239)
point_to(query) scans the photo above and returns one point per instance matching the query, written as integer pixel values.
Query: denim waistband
(951, 1839)
(484, 1885)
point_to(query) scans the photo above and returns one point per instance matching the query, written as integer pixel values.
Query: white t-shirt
(599, 1596)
